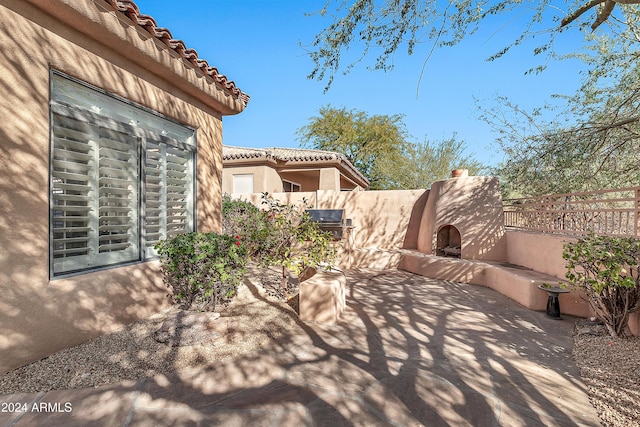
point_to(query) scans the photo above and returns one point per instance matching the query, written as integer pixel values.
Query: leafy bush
(295, 242)
(203, 270)
(278, 235)
(606, 270)
(242, 218)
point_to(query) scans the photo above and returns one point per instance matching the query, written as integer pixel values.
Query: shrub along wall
(381, 219)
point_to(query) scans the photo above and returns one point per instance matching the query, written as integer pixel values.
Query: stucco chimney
(456, 173)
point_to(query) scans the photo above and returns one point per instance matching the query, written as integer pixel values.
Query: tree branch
(582, 9)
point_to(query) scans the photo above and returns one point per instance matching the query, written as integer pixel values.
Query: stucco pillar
(329, 179)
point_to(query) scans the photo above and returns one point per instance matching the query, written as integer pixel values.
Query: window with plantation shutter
(72, 192)
(122, 179)
(117, 182)
(168, 195)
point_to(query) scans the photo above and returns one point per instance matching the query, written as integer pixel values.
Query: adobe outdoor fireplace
(448, 242)
(463, 218)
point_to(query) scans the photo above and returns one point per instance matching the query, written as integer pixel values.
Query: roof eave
(139, 46)
(351, 173)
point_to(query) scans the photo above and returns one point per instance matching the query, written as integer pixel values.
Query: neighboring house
(111, 140)
(275, 170)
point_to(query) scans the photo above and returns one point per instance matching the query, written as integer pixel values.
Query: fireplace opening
(448, 242)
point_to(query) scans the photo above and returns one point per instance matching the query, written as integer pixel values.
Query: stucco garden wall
(543, 253)
(537, 251)
(86, 40)
(381, 219)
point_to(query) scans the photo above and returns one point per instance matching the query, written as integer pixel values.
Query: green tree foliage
(378, 146)
(593, 144)
(592, 141)
(242, 218)
(363, 139)
(386, 26)
(606, 270)
(430, 161)
(295, 242)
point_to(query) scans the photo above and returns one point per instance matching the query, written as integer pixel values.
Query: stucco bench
(322, 296)
(518, 283)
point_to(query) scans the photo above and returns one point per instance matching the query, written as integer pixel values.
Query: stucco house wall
(97, 44)
(264, 178)
(309, 170)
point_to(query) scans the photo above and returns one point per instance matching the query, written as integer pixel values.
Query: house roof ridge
(149, 24)
(289, 154)
(233, 152)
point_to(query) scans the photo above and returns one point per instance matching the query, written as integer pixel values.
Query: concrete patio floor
(408, 351)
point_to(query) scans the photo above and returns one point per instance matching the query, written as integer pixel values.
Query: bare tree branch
(603, 14)
(578, 12)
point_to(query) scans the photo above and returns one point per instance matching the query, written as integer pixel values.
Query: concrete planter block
(323, 296)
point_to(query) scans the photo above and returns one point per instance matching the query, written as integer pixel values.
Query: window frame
(243, 175)
(293, 186)
(144, 136)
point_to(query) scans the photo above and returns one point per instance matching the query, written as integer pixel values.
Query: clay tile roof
(290, 155)
(130, 9)
(305, 155)
(235, 153)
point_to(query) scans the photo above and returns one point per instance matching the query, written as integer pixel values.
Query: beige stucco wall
(265, 178)
(308, 180)
(473, 204)
(543, 252)
(537, 251)
(329, 179)
(38, 315)
(382, 219)
(268, 178)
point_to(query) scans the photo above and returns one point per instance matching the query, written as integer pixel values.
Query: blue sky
(257, 44)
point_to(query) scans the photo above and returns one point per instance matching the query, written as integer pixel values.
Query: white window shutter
(118, 196)
(179, 192)
(168, 192)
(155, 195)
(72, 192)
(122, 179)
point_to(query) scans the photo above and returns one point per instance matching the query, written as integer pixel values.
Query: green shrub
(606, 270)
(203, 270)
(294, 241)
(242, 218)
(278, 235)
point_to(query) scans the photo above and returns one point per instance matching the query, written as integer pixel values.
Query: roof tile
(288, 155)
(130, 9)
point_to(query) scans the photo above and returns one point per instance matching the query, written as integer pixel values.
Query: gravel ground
(609, 367)
(132, 353)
